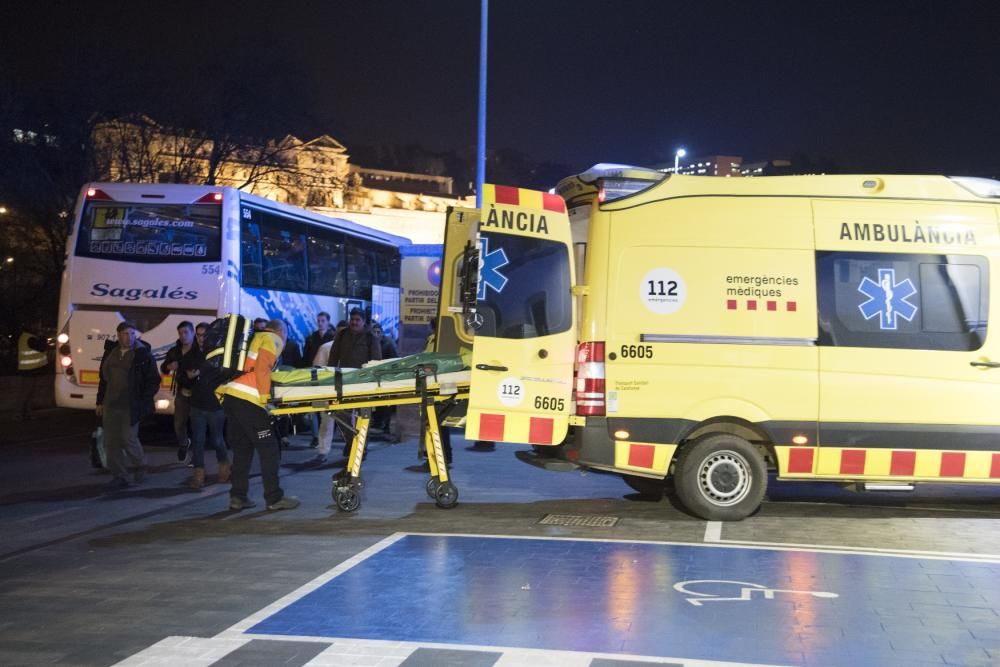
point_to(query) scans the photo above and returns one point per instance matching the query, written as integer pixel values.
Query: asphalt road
(91, 579)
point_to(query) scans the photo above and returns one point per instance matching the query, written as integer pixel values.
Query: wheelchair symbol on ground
(723, 590)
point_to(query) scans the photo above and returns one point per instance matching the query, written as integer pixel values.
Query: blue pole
(481, 140)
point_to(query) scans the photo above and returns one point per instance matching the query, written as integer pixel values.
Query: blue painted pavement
(784, 606)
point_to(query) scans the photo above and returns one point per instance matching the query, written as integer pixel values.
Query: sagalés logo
(136, 293)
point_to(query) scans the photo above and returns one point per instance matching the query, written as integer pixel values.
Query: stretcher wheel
(348, 499)
(432, 487)
(446, 495)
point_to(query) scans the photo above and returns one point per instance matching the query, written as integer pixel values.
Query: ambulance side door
(525, 340)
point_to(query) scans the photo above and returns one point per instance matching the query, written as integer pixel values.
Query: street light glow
(677, 158)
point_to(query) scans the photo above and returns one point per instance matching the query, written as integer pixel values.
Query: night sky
(873, 86)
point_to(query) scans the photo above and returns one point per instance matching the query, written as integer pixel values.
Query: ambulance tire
(720, 477)
(647, 488)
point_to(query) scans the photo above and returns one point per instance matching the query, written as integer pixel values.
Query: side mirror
(469, 286)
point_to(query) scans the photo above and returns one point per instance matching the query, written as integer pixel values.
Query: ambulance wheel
(432, 487)
(446, 495)
(720, 477)
(348, 500)
(645, 487)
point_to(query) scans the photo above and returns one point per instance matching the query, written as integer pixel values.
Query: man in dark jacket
(128, 382)
(182, 357)
(206, 413)
(353, 348)
(323, 334)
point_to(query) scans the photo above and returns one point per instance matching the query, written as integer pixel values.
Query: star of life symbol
(489, 265)
(887, 299)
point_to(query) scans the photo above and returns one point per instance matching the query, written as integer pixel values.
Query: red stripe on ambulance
(952, 464)
(540, 431)
(800, 459)
(641, 456)
(852, 462)
(553, 203)
(491, 427)
(505, 194)
(903, 463)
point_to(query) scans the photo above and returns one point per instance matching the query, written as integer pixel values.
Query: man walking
(353, 348)
(248, 426)
(128, 383)
(206, 415)
(180, 359)
(323, 334)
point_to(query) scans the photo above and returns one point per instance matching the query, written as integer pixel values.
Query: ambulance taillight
(590, 400)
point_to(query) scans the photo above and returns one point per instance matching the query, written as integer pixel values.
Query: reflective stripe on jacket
(255, 383)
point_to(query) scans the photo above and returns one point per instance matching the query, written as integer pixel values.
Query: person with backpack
(248, 425)
(206, 415)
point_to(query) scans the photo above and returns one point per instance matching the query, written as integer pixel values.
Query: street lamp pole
(677, 158)
(481, 134)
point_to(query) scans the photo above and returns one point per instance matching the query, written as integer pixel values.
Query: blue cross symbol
(489, 263)
(887, 299)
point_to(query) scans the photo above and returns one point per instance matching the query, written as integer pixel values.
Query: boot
(225, 471)
(197, 480)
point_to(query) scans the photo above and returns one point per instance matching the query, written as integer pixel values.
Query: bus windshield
(163, 233)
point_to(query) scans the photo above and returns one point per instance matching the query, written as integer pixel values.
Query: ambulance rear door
(524, 320)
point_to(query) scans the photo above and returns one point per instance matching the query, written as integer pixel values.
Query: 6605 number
(637, 352)
(549, 403)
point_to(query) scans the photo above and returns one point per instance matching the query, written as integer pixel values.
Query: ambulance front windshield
(524, 287)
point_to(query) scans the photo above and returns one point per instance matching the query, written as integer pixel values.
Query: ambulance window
(889, 300)
(524, 287)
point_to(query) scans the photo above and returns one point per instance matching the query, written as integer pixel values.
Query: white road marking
(713, 531)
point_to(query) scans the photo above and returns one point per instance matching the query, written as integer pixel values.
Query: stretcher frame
(347, 483)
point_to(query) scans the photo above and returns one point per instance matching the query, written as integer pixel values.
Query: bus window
(250, 259)
(359, 269)
(164, 233)
(326, 263)
(284, 250)
(386, 266)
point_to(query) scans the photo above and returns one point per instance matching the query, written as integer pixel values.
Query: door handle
(487, 367)
(985, 364)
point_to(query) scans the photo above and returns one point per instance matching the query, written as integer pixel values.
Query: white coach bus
(159, 254)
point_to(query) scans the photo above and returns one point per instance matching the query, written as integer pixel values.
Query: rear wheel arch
(752, 433)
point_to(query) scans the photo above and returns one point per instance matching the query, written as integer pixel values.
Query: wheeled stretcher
(435, 382)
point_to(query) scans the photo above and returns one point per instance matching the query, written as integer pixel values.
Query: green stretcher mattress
(396, 375)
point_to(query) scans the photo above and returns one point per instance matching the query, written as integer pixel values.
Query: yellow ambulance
(822, 327)
(826, 327)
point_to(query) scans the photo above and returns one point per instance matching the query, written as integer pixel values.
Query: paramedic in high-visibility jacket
(248, 426)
